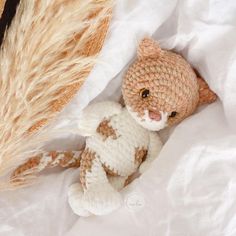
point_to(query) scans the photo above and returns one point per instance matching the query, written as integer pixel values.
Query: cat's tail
(25, 173)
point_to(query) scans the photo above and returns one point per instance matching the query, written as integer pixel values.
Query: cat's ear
(149, 48)
(206, 95)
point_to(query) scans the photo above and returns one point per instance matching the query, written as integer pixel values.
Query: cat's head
(161, 89)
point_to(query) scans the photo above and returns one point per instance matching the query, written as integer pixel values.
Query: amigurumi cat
(116, 146)
(159, 89)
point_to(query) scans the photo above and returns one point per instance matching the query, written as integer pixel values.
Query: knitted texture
(169, 82)
(106, 130)
(115, 149)
(86, 164)
(159, 89)
(65, 159)
(205, 95)
(148, 49)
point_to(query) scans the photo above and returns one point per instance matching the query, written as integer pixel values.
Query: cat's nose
(154, 115)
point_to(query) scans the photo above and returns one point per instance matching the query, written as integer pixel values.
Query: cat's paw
(75, 199)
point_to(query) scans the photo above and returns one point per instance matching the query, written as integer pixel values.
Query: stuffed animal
(116, 146)
(160, 89)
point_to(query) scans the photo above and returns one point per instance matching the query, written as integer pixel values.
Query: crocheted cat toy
(115, 148)
(159, 89)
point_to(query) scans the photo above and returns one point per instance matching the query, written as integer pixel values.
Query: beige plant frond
(2, 4)
(47, 53)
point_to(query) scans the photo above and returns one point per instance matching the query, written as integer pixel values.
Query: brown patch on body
(110, 171)
(128, 180)
(140, 155)
(106, 130)
(86, 162)
(131, 177)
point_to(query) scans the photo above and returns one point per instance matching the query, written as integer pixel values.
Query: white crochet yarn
(101, 194)
(149, 123)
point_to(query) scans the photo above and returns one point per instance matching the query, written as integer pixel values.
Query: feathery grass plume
(2, 4)
(47, 53)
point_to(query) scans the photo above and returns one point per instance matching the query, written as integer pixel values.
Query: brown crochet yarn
(87, 158)
(172, 87)
(140, 155)
(170, 83)
(106, 130)
(65, 159)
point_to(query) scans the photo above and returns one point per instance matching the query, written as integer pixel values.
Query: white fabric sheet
(190, 189)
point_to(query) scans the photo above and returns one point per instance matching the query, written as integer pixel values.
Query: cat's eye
(173, 114)
(144, 93)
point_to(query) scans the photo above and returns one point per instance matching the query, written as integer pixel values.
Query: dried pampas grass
(47, 53)
(2, 4)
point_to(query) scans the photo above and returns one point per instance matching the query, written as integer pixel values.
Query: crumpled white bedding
(190, 189)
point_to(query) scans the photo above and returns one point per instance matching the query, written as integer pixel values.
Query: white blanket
(191, 188)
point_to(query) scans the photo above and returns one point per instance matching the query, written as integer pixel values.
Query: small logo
(134, 201)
